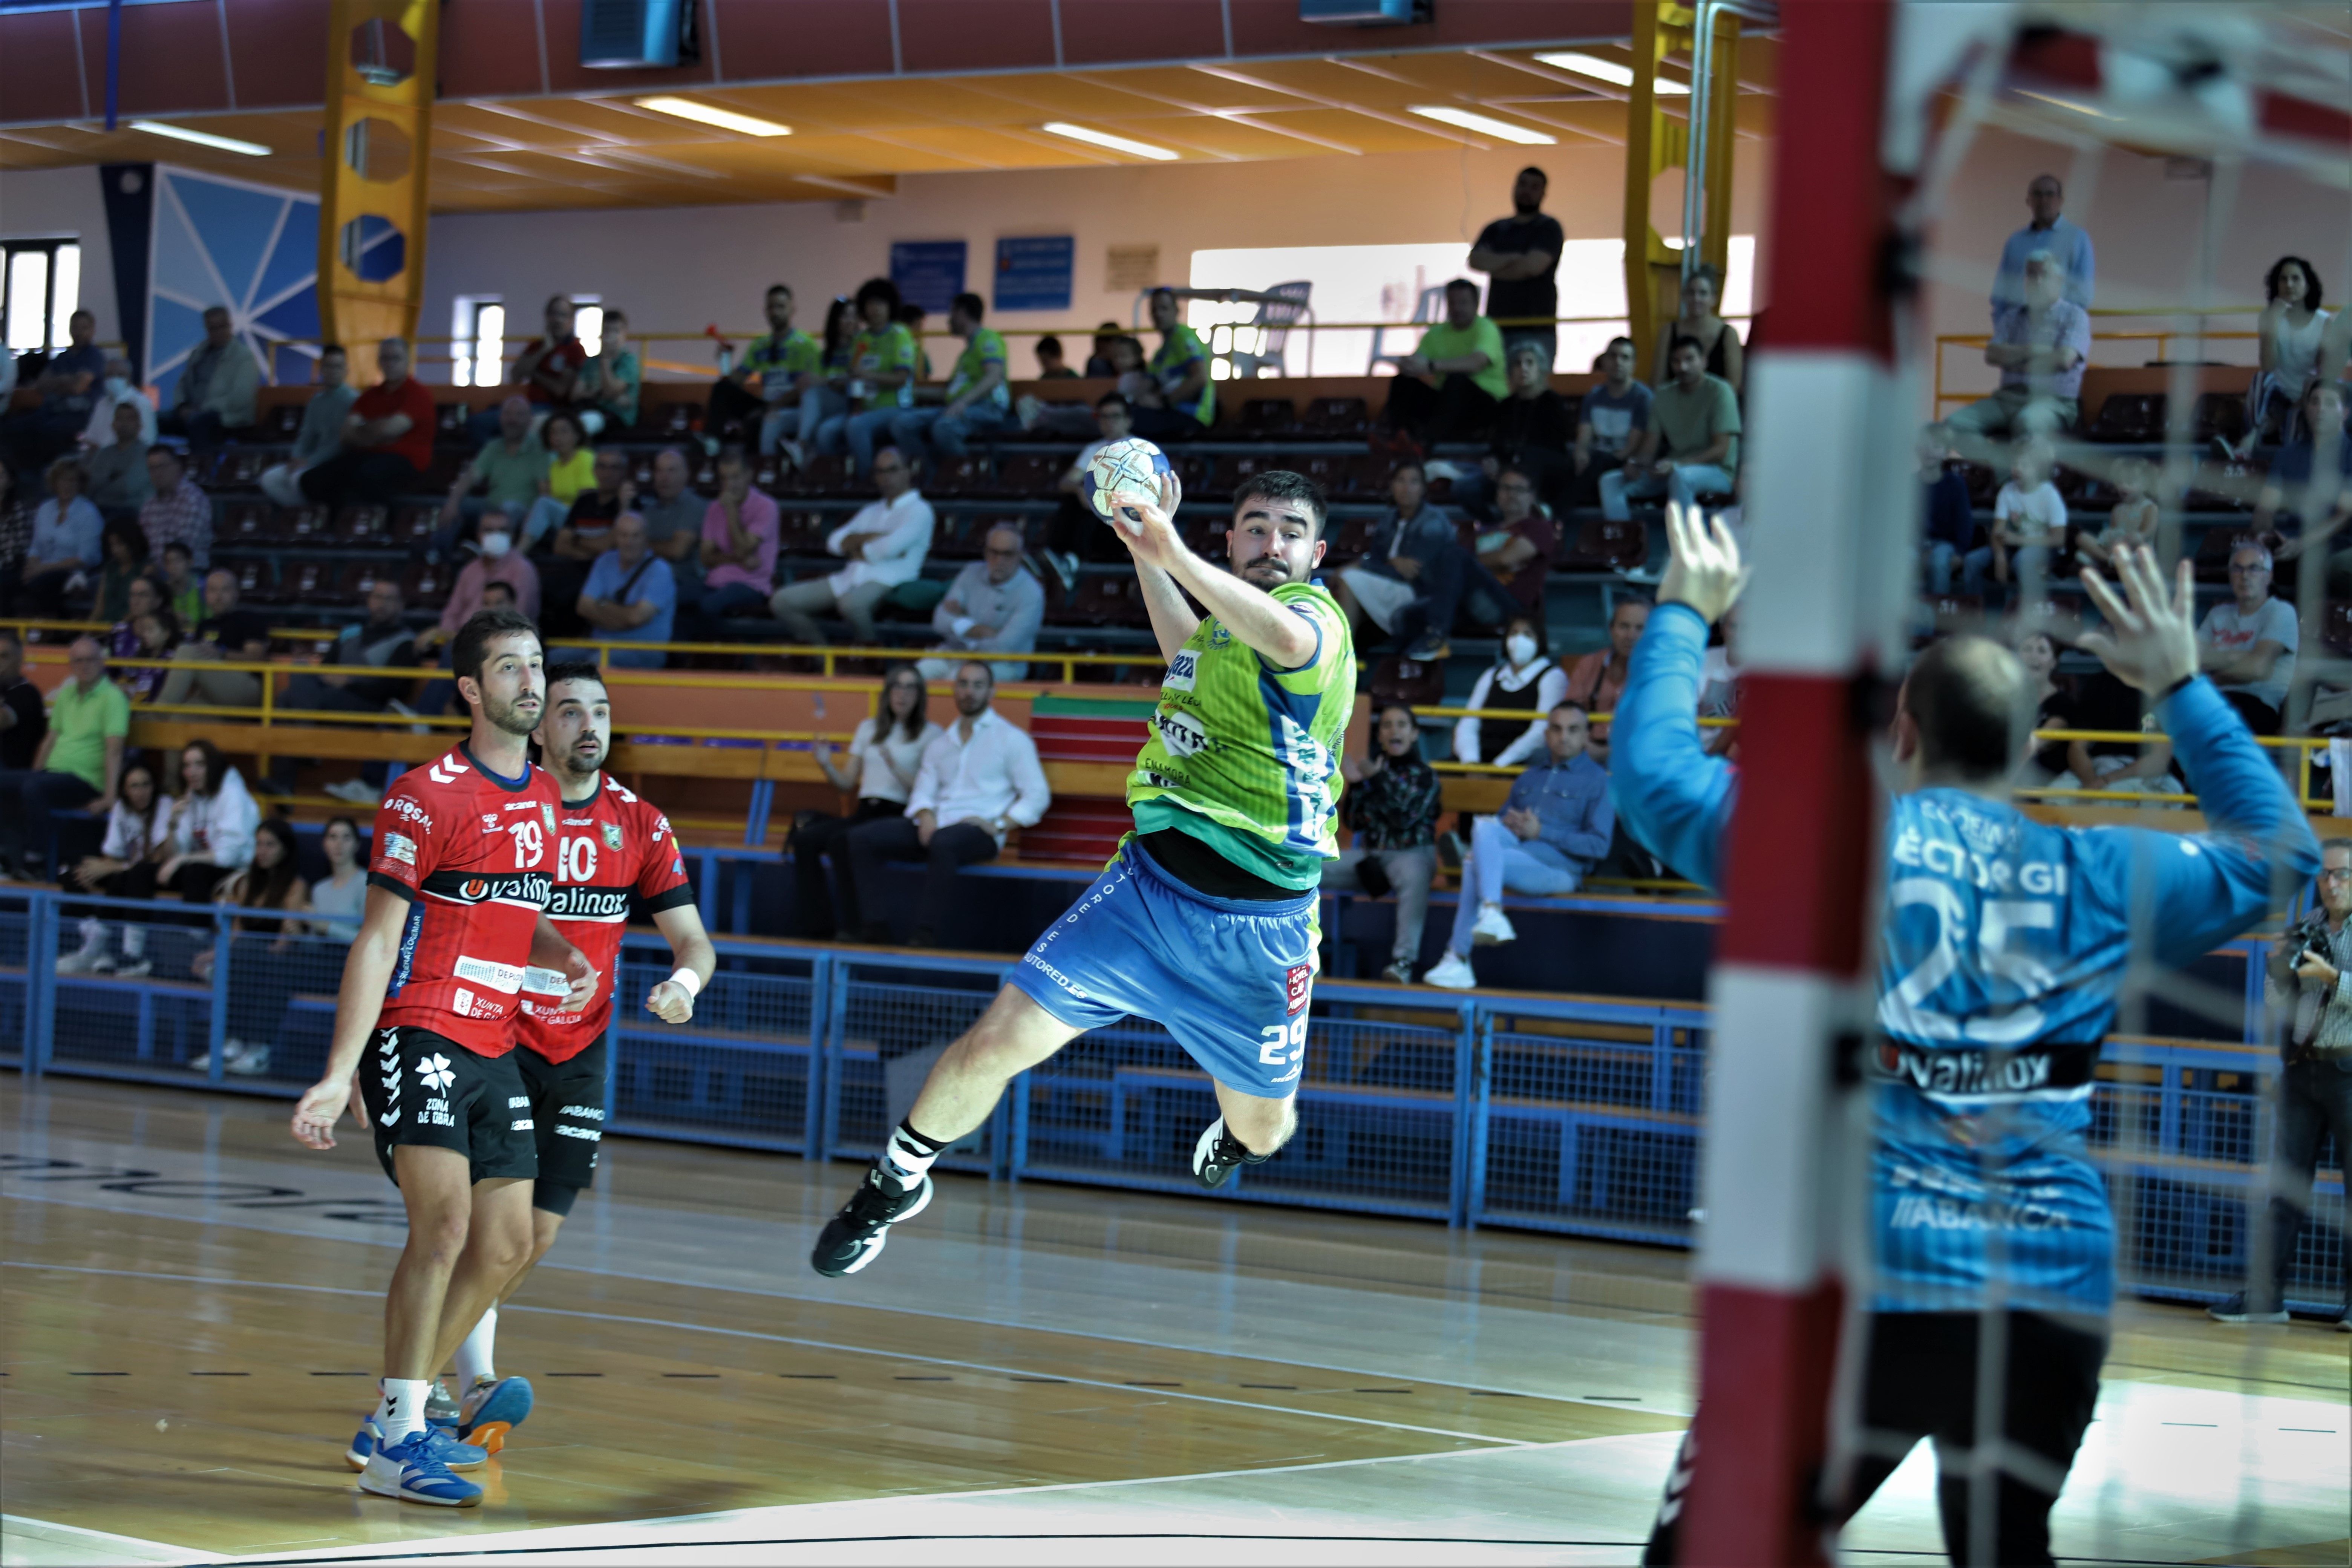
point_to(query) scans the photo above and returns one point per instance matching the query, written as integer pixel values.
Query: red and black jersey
(613, 844)
(475, 857)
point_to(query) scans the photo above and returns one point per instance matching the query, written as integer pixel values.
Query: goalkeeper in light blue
(2005, 942)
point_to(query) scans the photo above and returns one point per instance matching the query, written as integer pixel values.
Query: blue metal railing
(1575, 1115)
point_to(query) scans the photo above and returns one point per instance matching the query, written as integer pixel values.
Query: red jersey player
(459, 876)
(613, 844)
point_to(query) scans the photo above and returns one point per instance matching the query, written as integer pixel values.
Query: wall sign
(1035, 274)
(929, 273)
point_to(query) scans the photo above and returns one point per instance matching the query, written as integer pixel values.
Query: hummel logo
(434, 1070)
(437, 776)
(392, 1080)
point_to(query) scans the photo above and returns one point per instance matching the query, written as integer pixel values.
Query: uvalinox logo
(588, 903)
(517, 887)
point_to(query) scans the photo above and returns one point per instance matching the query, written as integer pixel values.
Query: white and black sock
(906, 1157)
(401, 1411)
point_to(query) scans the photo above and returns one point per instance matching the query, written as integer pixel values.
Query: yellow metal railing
(2163, 338)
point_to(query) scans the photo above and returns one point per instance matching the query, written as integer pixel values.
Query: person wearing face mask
(1393, 805)
(1522, 679)
(499, 561)
(118, 390)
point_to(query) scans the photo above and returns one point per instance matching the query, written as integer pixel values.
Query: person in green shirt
(79, 762)
(1180, 371)
(787, 362)
(1205, 921)
(1447, 389)
(880, 380)
(610, 383)
(979, 400)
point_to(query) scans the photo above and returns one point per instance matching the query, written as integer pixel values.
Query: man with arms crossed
(614, 842)
(1206, 920)
(2005, 942)
(462, 870)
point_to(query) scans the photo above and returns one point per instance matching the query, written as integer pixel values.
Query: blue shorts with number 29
(1230, 978)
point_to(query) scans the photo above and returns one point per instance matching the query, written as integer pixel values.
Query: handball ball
(1134, 465)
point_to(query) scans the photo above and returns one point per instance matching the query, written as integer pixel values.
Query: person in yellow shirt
(1447, 389)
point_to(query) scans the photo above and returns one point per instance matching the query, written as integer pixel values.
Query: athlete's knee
(1013, 1036)
(1262, 1125)
(439, 1235)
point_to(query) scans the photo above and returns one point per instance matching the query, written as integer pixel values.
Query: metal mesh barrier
(741, 1073)
(17, 1024)
(889, 1023)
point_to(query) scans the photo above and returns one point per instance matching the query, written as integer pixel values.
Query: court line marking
(1683, 1323)
(817, 1344)
(159, 1551)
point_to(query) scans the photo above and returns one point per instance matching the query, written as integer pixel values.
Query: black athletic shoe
(1219, 1153)
(854, 1238)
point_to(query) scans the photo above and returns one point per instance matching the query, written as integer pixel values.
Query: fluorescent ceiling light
(1088, 133)
(725, 118)
(1485, 125)
(202, 138)
(1613, 72)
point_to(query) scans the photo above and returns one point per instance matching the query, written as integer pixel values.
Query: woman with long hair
(1392, 803)
(263, 957)
(123, 545)
(2291, 328)
(570, 469)
(341, 893)
(212, 824)
(1523, 678)
(125, 866)
(884, 753)
(1727, 360)
(2054, 708)
(822, 399)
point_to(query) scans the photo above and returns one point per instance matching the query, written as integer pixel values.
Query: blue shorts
(1230, 978)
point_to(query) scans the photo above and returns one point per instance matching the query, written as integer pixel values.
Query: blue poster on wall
(929, 273)
(1035, 274)
(254, 249)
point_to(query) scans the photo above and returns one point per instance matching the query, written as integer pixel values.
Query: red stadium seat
(250, 522)
(1407, 680)
(1107, 600)
(425, 587)
(363, 525)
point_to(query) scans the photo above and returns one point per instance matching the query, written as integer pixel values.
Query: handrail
(2161, 338)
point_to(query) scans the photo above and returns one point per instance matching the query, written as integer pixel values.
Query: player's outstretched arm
(367, 970)
(672, 1001)
(1671, 795)
(1283, 638)
(2208, 888)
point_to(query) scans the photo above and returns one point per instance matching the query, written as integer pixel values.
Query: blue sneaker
(413, 1471)
(457, 1456)
(493, 1409)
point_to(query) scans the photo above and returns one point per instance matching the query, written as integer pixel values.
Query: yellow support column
(1656, 142)
(374, 188)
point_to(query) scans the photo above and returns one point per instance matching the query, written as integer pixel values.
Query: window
(478, 351)
(42, 283)
(588, 323)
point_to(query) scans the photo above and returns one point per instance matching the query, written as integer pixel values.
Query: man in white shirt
(994, 606)
(884, 544)
(2045, 198)
(980, 780)
(119, 388)
(2248, 645)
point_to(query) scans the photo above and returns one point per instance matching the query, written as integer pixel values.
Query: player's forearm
(1172, 621)
(1252, 614)
(358, 1002)
(1673, 797)
(548, 950)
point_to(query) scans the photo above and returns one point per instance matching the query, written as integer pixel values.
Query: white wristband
(687, 979)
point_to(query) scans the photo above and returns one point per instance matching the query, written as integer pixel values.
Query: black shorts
(422, 1089)
(567, 1103)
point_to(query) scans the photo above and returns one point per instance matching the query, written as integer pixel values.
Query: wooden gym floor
(191, 1308)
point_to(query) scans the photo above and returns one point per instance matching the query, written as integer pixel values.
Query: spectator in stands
(585, 534)
(1596, 680)
(1695, 447)
(152, 636)
(1076, 531)
(118, 390)
(78, 762)
(610, 383)
(2306, 995)
(2040, 345)
(184, 591)
(1534, 427)
(548, 370)
(824, 398)
(2054, 708)
(1520, 256)
(342, 894)
(213, 824)
(497, 595)
(979, 402)
(1612, 425)
(910, 316)
(1553, 830)
(1718, 341)
(68, 387)
(15, 530)
(1392, 804)
(880, 380)
(786, 360)
(2122, 767)
(176, 510)
(2248, 646)
(123, 545)
(2132, 520)
(1386, 577)
(884, 543)
(497, 561)
(1517, 547)
(2049, 234)
(1949, 528)
(1524, 680)
(2029, 526)
(741, 532)
(1179, 369)
(673, 514)
(994, 605)
(629, 597)
(886, 755)
(1051, 365)
(266, 963)
(137, 838)
(227, 634)
(141, 595)
(24, 721)
(1447, 389)
(571, 469)
(2290, 330)
(2300, 488)
(119, 485)
(1098, 363)
(64, 549)
(320, 435)
(387, 438)
(383, 642)
(213, 401)
(979, 779)
(508, 470)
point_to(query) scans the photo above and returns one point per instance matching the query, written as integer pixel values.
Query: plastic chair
(1271, 324)
(1427, 311)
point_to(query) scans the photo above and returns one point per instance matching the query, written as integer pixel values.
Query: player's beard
(579, 768)
(508, 716)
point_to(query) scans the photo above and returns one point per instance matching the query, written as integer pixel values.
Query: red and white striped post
(1782, 1146)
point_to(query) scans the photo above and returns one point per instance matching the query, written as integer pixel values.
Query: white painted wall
(50, 203)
